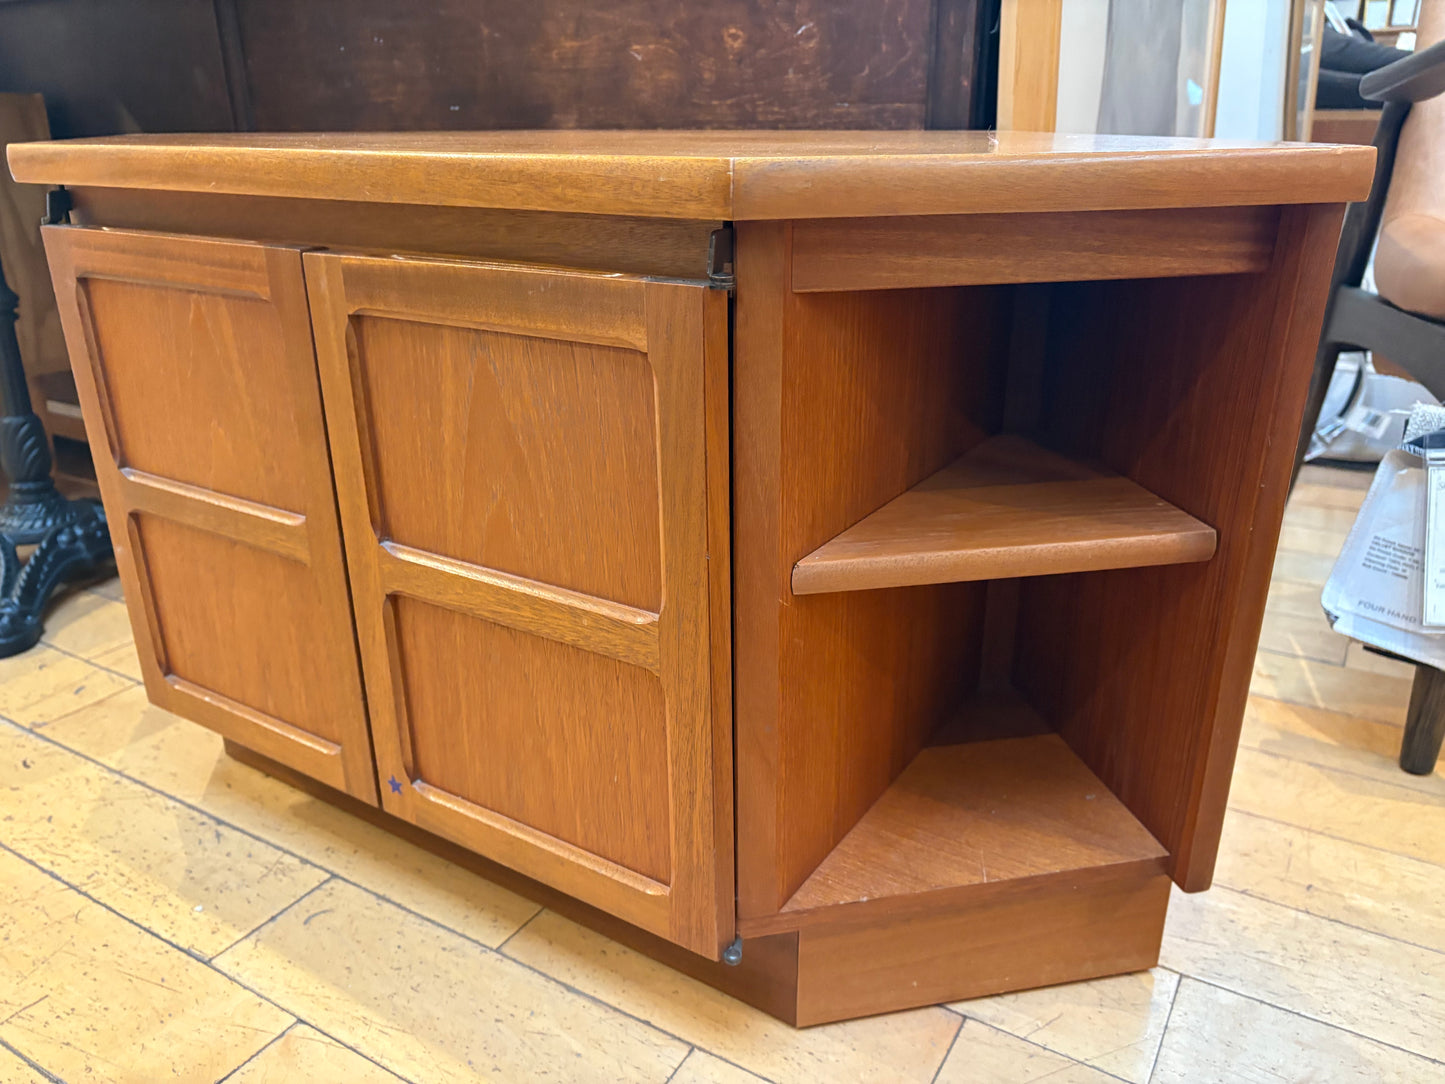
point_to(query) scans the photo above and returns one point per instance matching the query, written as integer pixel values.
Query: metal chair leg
(1425, 722)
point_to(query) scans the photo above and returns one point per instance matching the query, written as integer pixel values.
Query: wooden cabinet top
(717, 175)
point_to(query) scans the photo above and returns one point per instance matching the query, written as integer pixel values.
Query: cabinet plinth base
(1057, 930)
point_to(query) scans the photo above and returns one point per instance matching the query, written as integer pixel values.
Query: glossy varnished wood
(1199, 420)
(966, 250)
(968, 822)
(521, 465)
(543, 621)
(1005, 508)
(1060, 932)
(198, 381)
(718, 175)
(824, 387)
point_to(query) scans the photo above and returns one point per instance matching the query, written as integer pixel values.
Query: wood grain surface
(1064, 931)
(198, 382)
(967, 822)
(521, 467)
(727, 175)
(1199, 419)
(1003, 509)
(1028, 64)
(980, 813)
(478, 64)
(668, 247)
(841, 402)
(600, 482)
(966, 250)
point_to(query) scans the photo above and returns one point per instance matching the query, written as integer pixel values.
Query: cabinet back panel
(564, 740)
(194, 389)
(533, 456)
(249, 625)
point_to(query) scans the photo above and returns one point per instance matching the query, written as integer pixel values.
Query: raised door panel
(522, 463)
(197, 379)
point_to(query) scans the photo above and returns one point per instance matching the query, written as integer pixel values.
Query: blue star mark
(394, 785)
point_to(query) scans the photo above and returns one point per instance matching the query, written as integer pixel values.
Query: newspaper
(1388, 586)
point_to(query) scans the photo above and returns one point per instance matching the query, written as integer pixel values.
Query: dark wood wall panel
(111, 66)
(108, 66)
(377, 64)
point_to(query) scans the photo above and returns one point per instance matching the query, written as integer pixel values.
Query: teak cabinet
(829, 563)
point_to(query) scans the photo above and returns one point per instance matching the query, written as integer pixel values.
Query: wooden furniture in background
(1028, 64)
(1142, 67)
(109, 66)
(42, 345)
(1345, 126)
(1302, 67)
(675, 613)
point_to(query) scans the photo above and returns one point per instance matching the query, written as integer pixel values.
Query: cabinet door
(198, 383)
(521, 463)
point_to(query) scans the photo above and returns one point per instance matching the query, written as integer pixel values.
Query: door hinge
(720, 259)
(733, 954)
(57, 207)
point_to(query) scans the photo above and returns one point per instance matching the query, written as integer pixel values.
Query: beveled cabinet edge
(716, 175)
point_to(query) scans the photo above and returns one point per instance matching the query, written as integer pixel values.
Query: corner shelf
(977, 818)
(1006, 508)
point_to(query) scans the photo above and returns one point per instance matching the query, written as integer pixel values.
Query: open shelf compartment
(1006, 508)
(995, 800)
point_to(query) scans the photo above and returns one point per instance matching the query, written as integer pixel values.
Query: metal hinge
(733, 954)
(57, 207)
(720, 259)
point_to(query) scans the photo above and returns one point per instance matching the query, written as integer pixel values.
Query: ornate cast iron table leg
(78, 549)
(72, 534)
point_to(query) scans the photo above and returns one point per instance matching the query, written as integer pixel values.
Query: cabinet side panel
(1193, 388)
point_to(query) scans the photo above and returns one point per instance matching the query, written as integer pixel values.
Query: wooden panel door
(522, 459)
(197, 379)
